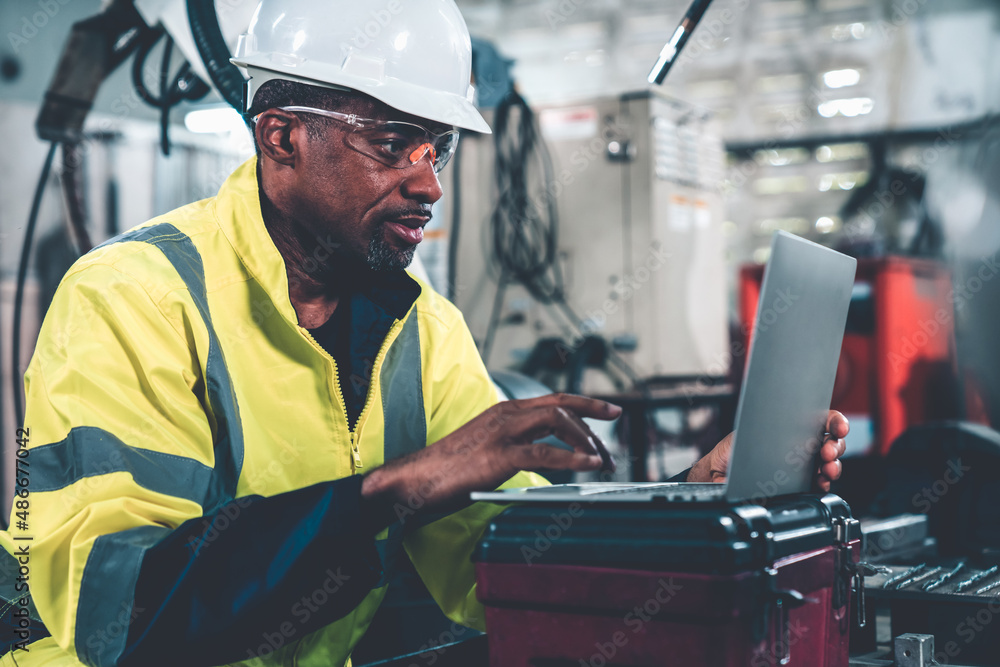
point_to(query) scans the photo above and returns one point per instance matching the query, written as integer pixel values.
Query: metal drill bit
(944, 578)
(900, 577)
(988, 587)
(919, 577)
(975, 579)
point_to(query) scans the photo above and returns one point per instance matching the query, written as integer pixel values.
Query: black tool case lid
(687, 537)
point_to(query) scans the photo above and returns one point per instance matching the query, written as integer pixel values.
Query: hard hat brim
(435, 105)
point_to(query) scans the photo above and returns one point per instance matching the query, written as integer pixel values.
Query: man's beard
(383, 257)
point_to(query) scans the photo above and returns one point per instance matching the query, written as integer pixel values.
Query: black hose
(22, 275)
(185, 85)
(214, 53)
(139, 63)
(188, 86)
(165, 95)
(72, 188)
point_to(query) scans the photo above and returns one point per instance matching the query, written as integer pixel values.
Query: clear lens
(399, 145)
(393, 143)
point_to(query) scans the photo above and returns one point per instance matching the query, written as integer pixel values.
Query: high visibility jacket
(193, 485)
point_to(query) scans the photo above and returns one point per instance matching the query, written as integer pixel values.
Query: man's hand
(713, 467)
(487, 451)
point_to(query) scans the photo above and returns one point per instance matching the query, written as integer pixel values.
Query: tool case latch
(782, 600)
(855, 573)
(850, 574)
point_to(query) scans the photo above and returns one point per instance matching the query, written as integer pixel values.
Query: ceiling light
(841, 78)
(219, 120)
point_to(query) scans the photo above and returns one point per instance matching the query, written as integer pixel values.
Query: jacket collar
(237, 209)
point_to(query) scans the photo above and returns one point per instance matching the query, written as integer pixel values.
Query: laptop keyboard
(668, 489)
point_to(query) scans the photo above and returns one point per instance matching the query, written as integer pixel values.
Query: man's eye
(391, 145)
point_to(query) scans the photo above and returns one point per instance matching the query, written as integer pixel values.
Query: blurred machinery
(95, 48)
(630, 286)
(636, 249)
(898, 365)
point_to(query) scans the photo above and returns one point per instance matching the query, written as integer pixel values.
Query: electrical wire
(185, 85)
(524, 225)
(168, 50)
(139, 62)
(22, 275)
(524, 233)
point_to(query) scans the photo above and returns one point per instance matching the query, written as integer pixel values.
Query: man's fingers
(541, 455)
(609, 461)
(540, 423)
(559, 415)
(566, 426)
(832, 450)
(831, 471)
(837, 425)
(580, 405)
(828, 472)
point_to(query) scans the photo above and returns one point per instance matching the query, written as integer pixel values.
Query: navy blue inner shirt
(355, 332)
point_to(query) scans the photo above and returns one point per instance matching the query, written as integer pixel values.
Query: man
(230, 406)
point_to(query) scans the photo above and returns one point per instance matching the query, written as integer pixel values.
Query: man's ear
(278, 135)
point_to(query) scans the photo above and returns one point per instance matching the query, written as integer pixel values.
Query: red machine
(898, 363)
(615, 585)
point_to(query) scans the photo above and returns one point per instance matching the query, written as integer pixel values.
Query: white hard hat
(414, 55)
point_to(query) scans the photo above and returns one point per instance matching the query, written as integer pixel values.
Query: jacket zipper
(356, 433)
(356, 462)
(355, 452)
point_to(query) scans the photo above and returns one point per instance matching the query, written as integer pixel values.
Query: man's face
(373, 212)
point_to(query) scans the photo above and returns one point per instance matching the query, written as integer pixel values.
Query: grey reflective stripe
(404, 422)
(88, 451)
(107, 589)
(182, 254)
(389, 551)
(105, 611)
(403, 393)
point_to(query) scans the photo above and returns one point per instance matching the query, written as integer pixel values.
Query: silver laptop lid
(788, 384)
(786, 390)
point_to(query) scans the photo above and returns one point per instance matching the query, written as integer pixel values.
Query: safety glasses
(393, 143)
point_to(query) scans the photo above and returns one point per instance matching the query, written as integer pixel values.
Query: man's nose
(421, 182)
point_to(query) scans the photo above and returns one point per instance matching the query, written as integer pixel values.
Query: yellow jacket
(179, 418)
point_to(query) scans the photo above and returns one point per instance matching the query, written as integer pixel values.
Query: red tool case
(634, 585)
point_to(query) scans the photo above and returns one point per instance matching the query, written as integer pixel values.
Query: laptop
(785, 399)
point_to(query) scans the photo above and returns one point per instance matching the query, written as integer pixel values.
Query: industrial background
(869, 126)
